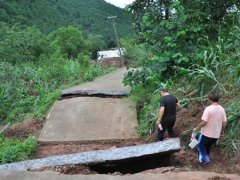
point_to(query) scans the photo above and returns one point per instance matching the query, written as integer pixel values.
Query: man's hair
(213, 96)
(164, 90)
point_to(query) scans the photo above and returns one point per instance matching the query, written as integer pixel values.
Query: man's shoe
(204, 163)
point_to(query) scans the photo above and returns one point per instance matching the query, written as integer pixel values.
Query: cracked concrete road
(11, 175)
(111, 82)
(92, 118)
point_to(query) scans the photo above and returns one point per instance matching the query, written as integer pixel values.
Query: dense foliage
(33, 66)
(195, 48)
(49, 15)
(136, 52)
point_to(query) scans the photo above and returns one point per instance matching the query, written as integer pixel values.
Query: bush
(12, 150)
(135, 53)
(148, 115)
(19, 45)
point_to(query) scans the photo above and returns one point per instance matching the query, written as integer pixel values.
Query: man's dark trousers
(167, 124)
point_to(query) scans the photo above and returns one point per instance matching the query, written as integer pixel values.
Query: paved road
(93, 118)
(7, 175)
(110, 82)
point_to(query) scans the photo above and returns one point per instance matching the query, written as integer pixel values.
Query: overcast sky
(120, 3)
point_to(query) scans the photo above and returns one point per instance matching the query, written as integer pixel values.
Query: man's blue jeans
(204, 147)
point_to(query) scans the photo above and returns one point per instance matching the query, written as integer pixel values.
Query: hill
(48, 15)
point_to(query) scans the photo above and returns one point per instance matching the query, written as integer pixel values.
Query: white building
(101, 55)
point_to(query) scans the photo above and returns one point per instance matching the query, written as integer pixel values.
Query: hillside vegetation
(48, 15)
(191, 48)
(46, 46)
(47, 43)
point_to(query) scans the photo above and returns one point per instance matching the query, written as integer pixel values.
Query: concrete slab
(90, 119)
(11, 175)
(100, 156)
(110, 84)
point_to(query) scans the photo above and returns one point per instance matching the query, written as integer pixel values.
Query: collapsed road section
(93, 157)
(95, 119)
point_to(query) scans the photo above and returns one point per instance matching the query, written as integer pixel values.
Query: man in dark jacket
(167, 114)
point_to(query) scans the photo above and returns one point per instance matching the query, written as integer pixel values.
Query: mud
(187, 119)
(23, 130)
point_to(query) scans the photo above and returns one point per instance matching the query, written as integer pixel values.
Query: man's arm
(178, 107)
(224, 124)
(200, 125)
(204, 120)
(224, 127)
(161, 112)
(178, 104)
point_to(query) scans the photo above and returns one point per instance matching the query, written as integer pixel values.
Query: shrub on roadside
(29, 89)
(12, 150)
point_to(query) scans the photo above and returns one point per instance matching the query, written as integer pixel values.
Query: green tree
(176, 36)
(49, 15)
(111, 44)
(21, 44)
(71, 42)
(98, 44)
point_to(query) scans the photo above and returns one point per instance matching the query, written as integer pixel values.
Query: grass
(49, 99)
(29, 90)
(12, 150)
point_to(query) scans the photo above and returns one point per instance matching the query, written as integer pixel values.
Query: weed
(12, 150)
(231, 140)
(29, 89)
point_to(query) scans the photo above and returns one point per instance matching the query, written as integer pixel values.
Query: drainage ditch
(129, 166)
(132, 166)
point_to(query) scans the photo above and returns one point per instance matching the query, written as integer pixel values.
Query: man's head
(213, 96)
(164, 91)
